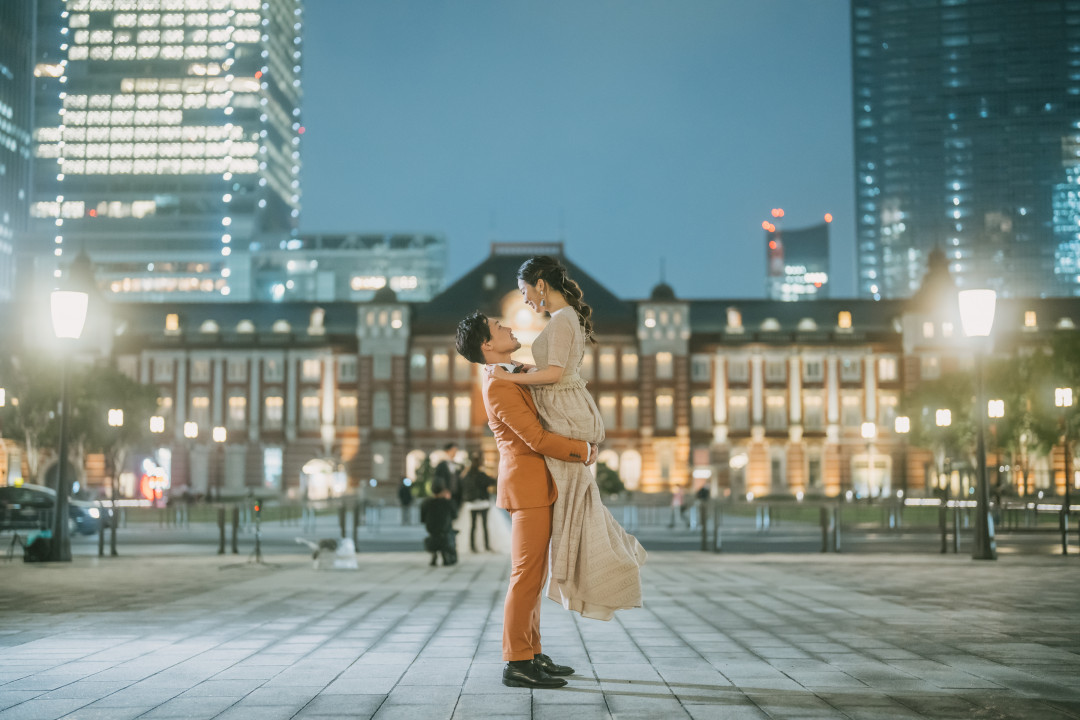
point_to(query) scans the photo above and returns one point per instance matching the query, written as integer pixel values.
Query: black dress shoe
(548, 665)
(529, 676)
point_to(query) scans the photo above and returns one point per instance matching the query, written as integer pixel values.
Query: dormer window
(172, 324)
(315, 324)
(1030, 320)
(807, 325)
(245, 327)
(209, 327)
(734, 320)
(770, 325)
(281, 326)
(489, 281)
(843, 320)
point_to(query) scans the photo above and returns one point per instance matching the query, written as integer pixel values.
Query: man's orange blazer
(524, 480)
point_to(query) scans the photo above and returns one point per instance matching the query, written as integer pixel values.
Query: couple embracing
(548, 430)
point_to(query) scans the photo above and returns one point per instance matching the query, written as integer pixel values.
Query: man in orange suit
(526, 490)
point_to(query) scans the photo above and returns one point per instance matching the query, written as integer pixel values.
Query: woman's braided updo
(551, 271)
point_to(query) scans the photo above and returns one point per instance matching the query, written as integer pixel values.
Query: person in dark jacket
(448, 475)
(476, 486)
(437, 515)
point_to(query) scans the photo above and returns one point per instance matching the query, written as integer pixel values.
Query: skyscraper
(16, 58)
(168, 141)
(967, 138)
(797, 262)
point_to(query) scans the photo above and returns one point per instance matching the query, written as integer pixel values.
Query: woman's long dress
(595, 564)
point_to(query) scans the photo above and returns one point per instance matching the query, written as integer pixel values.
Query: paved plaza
(722, 636)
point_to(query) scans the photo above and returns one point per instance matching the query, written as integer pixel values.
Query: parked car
(30, 507)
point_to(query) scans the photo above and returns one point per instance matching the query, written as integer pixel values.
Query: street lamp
(869, 432)
(977, 315)
(902, 426)
(68, 309)
(219, 435)
(1063, 398)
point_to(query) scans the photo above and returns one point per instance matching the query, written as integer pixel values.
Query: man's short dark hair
(449, 445)
(472, 333)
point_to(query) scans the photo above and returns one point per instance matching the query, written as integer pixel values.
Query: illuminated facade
(797, 262)
(167, 140)
(967, 138)
(750, 396)
(16, 57)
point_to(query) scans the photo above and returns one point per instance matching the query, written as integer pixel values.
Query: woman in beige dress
(595, 564)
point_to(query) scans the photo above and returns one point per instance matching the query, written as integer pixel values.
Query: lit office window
(462, 409)
(664, 366)
(346, 415)
(665, 412)
(701, 412)
(310, 407)
(607, 407)
(776, 412)
(630, 412)
(273, 412)
(237, 412)
(440, 412)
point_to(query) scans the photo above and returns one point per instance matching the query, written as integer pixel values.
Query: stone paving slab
(779, 636)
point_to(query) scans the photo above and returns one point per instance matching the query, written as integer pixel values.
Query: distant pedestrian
(448, 475)
(437, 514)
(405, 497)
(677, 507)
(476, 486)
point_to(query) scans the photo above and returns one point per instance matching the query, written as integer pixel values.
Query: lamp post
(869, 432)
(977, 316)
(995, 410)
(219, 436)
(902, 426)
(68, 309)
(1063, 398)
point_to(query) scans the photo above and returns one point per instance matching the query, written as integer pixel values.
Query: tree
(30, 413)
(954, 392)
(1026, 430)
(608, 480)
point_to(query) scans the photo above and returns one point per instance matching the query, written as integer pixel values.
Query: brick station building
(749, 396)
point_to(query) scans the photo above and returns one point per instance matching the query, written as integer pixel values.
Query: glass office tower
(16, 60)
(797, 262)
(167, 136)
(967, 138)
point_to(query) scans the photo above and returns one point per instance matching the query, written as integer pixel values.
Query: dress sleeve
(562, 339)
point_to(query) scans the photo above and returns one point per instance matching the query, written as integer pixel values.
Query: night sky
(634, 130)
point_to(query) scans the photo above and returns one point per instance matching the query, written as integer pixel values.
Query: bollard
(341, 519)
(824, 529)
(101, 539)
(221, 530)
(235, 529)
(703, 518)
(956, 528)
(356, 521)
(943, 525)
(836, 529)
(718, 517)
